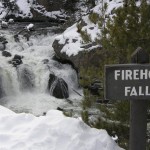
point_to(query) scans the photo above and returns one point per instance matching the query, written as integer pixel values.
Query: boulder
(95, 87)
(87, 62)
(58, 87)
(6, 54)
(3, 45)
(85, 58)
(17, 60)
(2, 38)
(4, 24)
(18, 57)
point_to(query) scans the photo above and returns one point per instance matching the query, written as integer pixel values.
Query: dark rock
(6, 54)
(17, 60)
(45, 61)
(3, 45)
(102, 101)
(44, 113)
(16, 38)
(2, 39)
(74, 40)
(91, 28)
(60, 109)
(27, 36)
(18, 57)
(57, 87)
(83, 23)
(95, 87)
(65, 61)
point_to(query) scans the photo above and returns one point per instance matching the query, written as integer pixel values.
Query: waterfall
(9, 84)
(23, 88)
(26, 78)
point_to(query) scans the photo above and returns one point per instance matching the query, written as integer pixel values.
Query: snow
(11, 20)
(73, 48)
(4, 23)
(51, 132)
(24, 6)
(30, 26)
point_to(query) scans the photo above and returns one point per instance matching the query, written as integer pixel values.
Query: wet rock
(65, 61)
(3, 45)
(16, 38)
(6, 54)
(17, 60)
(45, 61)
(2, 38)
(18, 57)
(58, 87)
(60, 109)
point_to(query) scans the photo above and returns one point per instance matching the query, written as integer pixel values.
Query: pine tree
(128, 29)
(145, 25)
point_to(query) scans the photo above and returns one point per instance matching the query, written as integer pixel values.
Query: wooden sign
(127, 81)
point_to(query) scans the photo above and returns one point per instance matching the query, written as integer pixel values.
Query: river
(37, 54)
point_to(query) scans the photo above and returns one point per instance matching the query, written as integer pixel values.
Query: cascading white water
(24, 88)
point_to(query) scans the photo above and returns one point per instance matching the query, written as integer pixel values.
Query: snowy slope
(51, 132)
(71, 34)
(23, 9)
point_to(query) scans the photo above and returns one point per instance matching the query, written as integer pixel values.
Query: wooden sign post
(132, 82)
(138, 110)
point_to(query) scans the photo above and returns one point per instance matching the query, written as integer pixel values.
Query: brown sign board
(127, 82)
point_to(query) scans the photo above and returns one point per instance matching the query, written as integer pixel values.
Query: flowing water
(24, 88)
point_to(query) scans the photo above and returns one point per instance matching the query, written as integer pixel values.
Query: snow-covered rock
(10, 21)
(51, 132)
(30, 27)
(4, 24)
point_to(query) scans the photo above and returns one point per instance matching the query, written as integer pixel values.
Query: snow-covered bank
(72, 39)
(51, 132)
(32, 9)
